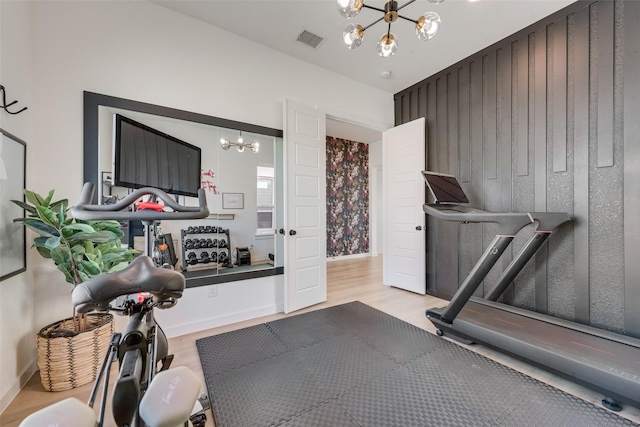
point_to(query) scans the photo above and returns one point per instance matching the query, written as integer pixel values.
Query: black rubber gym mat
(352, 365)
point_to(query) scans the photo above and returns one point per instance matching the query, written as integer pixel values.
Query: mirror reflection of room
(235, 169)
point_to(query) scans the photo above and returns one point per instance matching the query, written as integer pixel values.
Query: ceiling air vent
(310, 39)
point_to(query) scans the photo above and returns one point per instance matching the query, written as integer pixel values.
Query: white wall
(144, 52)
(17, 337)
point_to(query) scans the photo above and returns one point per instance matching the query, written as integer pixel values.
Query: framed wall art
(13, 165)
(232, 200)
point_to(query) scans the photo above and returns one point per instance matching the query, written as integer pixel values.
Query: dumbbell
(214, 256)
(201, 229)
(209, 243)
(188, 244)
(222, 243)
(192, 258)
(189, 230)
(214, 243)
(204, 258)
(222, 257)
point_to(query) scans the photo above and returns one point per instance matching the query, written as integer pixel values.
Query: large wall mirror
(243, 187)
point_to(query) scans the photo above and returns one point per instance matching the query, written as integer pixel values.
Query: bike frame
(138, 350)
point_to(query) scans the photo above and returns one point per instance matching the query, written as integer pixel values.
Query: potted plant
(69, 351)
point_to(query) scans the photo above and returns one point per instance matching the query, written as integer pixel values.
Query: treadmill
(604, 361)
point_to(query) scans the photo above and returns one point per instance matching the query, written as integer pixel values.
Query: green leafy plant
(79, 249)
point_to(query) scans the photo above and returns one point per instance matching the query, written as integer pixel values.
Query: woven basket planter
(69, 359)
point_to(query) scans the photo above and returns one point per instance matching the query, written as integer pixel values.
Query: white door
(305, 197)
(403, 194)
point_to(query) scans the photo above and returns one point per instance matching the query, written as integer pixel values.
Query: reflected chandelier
(427, 25)
(240, 144)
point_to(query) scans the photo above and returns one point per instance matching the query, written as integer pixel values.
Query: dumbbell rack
(206, 238)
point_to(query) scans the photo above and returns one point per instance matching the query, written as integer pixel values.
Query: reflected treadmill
(603, 361)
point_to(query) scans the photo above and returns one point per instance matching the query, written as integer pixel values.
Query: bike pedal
(198, 420)
(166, 362)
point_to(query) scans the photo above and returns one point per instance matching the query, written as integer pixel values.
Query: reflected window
(265, 202)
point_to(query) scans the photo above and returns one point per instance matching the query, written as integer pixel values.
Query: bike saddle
(141, 275)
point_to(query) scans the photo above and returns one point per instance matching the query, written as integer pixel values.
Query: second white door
(403, 160)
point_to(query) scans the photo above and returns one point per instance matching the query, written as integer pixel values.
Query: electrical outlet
(213, 291)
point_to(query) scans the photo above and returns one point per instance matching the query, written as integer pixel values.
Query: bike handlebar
(87, 211)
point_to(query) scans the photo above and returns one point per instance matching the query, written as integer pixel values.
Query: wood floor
(348, 280)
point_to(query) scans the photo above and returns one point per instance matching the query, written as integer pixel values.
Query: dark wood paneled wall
(547, 119)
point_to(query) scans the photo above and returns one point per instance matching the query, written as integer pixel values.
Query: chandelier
(240, 144)
(427, 25)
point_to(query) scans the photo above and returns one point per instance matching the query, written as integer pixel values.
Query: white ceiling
(467, 27)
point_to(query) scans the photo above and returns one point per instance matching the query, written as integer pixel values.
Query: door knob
(419, 228)
(292, 232)
(281, 231)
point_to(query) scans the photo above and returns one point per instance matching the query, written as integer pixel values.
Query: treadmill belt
(352, 365)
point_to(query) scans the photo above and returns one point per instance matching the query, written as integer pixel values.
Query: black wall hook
(6, 106)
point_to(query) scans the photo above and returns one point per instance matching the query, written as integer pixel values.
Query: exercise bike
(146, 392)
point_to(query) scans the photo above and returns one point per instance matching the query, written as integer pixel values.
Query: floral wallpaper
(347, 197)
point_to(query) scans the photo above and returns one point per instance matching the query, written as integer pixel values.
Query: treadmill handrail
(509, 223)
(546, 223)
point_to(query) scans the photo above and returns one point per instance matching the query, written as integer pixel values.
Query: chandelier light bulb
(353, 35)
(255, 146)
(226, 144)
(428, 26)
(387, 45)
(240, 148)
(349, 8)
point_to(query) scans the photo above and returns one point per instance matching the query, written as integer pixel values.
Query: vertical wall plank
(504, 141)
(522, 165)
(397, 110)
(475, 132)
(434, 146)
(441, 123)
(505, 117)
(476, 193)
(463, 124)
(406, 107)
(605, 83)
(453, 168)
(432, 115)
(540, 118)
(631, 67)
(422, 100)
(560, 95)
(581, 165)
(540, 160)
(490, 123)
(413, 104)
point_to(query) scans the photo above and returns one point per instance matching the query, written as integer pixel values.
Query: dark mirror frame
(92, 102)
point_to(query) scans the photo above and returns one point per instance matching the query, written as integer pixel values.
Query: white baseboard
(215, 322)
(343, 257)
(15, 388)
